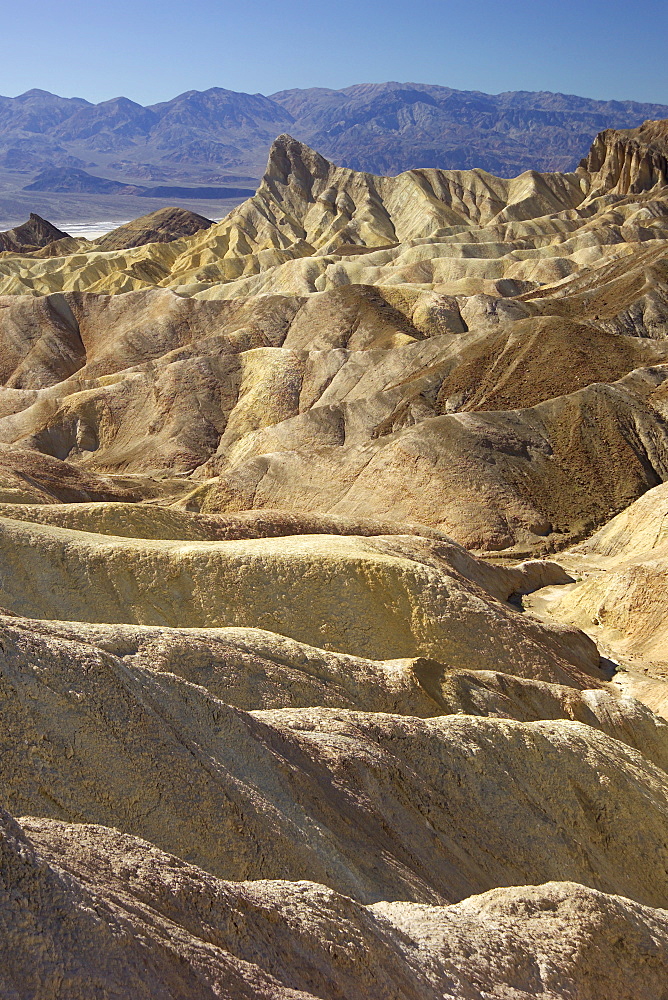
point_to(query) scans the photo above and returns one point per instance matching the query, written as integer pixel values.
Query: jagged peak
(32, 235)
(288, 157)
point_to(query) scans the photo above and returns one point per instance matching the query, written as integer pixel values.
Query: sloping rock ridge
(333, 591)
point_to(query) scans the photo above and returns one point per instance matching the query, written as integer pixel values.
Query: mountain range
(334, 590)
(220, 137)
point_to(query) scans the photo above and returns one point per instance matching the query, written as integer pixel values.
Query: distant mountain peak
(36, 92)
(31, 235)
(209, 137)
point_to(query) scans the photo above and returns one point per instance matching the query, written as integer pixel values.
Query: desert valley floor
(334, 591)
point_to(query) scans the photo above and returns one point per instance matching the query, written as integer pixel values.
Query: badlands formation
(333, 592)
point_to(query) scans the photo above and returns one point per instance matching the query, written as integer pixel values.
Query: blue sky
(151, 51)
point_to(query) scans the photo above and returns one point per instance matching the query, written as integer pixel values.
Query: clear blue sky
(151, 51)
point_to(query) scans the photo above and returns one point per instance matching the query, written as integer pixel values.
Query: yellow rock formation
(333, 600)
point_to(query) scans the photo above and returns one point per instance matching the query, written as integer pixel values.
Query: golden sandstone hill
(333, 593)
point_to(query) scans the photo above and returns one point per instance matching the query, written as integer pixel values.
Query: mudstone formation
(333, 591)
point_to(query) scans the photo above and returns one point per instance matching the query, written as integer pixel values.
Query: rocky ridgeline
(333, 591)
(32, 235)
(629, 162)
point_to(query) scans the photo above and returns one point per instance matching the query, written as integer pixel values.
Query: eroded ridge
(333, 592)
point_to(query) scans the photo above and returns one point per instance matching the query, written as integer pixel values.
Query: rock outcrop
(294, 703)
(163, 226)
(32, 235)
(630, 161)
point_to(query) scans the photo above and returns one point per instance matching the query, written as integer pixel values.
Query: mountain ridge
(431, 117)
(219, 138)
(295, 704)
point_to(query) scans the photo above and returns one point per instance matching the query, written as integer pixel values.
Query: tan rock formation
(238, 505)
(28, 477)
(630, 161)
(466, 230)
(134, 920)
(640, 529)
(624, 593)
(163, 226)
(375, 805)
(380, 597)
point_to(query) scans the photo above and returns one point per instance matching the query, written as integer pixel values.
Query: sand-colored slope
(495, 365)
(648, 688)
(254, 669)
(639, 529)
(461, 231)
(27, 477)
(156, 521)
(49, 339)
(379, 806)
(622, 593)
(134, 920)
(381, 597)
(41, 345)
(357, 399)
(492, 480)
(627, 602)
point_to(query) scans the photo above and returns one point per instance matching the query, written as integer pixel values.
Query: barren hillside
(333, 590)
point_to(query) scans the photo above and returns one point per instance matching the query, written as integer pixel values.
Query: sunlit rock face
(333, 592)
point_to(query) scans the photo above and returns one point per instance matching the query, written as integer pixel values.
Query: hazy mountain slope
(390, 127)
(381, 128)
(37, 111)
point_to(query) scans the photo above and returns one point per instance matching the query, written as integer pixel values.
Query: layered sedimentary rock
(32, 235)
(132, 919)
(630, 161)
(326, 548)
(163, 226)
